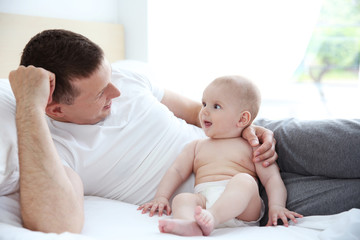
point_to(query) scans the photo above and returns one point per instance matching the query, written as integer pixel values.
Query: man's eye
(217, 106)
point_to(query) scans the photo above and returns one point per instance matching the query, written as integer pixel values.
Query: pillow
(133, 66)
(9, 163)
(319, 162)
(328, 148)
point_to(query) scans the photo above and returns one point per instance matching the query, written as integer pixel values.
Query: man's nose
(114, 91)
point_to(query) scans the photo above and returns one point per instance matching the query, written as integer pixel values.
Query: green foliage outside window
(334, 49)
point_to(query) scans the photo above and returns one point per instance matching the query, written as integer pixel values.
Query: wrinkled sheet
(110, 219)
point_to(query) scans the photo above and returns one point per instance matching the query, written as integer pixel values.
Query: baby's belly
(199, 178)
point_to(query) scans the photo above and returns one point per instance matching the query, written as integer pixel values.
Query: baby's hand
(278, 212)
(159, 204)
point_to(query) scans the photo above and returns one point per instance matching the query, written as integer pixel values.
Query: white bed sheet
(110, 219)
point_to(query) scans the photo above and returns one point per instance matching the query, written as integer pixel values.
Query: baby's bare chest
(223, 153)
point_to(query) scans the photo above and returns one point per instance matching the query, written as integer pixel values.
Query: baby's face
(220, 112)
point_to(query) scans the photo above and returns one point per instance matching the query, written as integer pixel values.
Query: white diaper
(212, 191)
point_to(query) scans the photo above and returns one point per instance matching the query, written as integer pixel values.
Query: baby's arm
(178, 172)
(276, 191)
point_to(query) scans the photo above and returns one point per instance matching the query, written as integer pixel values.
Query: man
(76, 135)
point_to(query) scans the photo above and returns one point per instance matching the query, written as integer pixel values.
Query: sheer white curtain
(193, 41)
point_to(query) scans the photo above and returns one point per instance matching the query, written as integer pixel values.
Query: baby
(226, 180)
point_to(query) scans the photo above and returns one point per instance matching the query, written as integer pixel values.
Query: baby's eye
(217, 106)
(204, 104)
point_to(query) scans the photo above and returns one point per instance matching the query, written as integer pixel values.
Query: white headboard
(16, 31)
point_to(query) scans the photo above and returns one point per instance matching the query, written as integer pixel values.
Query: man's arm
(51, 196)
(182, 107)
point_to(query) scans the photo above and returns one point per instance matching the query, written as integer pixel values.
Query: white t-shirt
(125, 156)
(9, 163)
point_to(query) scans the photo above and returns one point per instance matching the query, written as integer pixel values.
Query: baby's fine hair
(246, 91)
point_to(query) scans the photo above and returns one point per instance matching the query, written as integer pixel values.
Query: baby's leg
(183, 222)
(240, 199)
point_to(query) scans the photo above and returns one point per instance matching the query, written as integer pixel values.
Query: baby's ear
(244, 120)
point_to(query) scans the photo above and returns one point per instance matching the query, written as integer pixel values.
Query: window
(331, 61)
(191, 42)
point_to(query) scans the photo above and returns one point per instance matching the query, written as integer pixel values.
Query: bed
(110, 219)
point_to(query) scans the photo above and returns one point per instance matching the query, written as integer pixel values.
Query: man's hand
(256, 136)
(32, 86)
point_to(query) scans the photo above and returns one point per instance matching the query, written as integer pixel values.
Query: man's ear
(54, 110)
(244, 120)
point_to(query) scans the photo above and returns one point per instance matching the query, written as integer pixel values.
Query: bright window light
(191, 42)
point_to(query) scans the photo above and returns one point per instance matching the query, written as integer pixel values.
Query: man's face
(93, 104)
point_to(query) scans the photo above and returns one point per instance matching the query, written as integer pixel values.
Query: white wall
(87, 10)
(131, 13)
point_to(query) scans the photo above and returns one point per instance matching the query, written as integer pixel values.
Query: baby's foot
(205, 220)
(180, 227)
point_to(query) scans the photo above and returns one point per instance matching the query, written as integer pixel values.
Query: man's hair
(68, 55)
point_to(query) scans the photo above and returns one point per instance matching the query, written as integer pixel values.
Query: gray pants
(320, 164)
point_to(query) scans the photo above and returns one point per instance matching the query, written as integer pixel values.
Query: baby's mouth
(207, 123)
